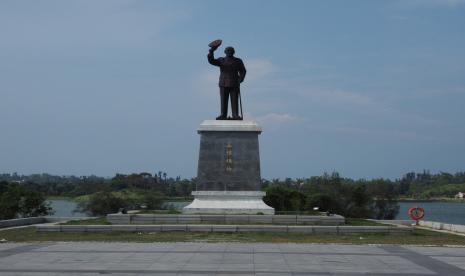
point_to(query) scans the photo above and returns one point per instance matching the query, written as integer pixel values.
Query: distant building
(460, 195)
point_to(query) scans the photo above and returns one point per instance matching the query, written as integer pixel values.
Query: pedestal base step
(228, 202)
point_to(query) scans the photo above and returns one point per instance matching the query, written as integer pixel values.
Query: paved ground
(86, 258)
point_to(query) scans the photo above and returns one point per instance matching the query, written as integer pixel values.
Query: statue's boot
(221, 117)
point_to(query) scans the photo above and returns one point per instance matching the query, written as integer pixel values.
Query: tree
(153, 200)
(18, 201)
(324, 202)
(102, 203)
(359, 202)
(384, 194)
(284, 199)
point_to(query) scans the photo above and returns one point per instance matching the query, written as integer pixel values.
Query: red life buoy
(416, 213)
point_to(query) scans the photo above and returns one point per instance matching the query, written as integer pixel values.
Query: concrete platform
(96, 258)
(332, 220)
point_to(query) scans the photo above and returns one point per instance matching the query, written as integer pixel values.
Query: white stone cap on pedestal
(241, 194)
(229, 125)
(228, 202)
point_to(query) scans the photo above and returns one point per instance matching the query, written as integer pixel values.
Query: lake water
(177, 205)
(65, 208)
(447, 212)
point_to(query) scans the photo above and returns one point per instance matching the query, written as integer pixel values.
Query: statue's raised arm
(211, 57)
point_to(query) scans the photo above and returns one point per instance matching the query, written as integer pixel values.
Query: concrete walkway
(92, 258)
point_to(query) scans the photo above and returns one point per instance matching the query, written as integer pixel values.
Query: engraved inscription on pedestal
(229, 162)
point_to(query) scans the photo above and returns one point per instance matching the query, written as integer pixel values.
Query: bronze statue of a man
(232, 73)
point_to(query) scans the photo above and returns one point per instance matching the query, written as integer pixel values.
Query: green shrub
(324, 202)
(103, 203)
(19, 201)
(153, 200)
(284, 199)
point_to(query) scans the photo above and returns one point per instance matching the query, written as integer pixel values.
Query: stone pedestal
(228, 175)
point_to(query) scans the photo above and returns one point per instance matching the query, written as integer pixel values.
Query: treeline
(74, 186)
(426, 185)
(422, 185)
(96, 195)
(333, 194)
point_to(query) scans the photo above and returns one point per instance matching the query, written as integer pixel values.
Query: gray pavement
(92, 258)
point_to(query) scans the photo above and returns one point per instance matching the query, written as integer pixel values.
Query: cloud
(258, 69)
(76, 25)
(382, 134)
(274, 119)
(339, 97)
(430, 3)
(359, 103)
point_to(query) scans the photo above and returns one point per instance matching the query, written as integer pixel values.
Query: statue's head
(229, 51)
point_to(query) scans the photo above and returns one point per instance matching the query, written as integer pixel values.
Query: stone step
(308, 229)
(225, 219)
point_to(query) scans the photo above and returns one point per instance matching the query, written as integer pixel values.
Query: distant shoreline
(446, 200)
(60, 198)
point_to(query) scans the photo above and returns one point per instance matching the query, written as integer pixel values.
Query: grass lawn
(362, 222)
(301, 213)
(96, 221)
(161, 212)
(179, 198)
(418, 237)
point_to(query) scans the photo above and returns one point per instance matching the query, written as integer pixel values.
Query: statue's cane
(240, 101)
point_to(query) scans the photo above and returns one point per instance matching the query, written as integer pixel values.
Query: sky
(366, 88)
